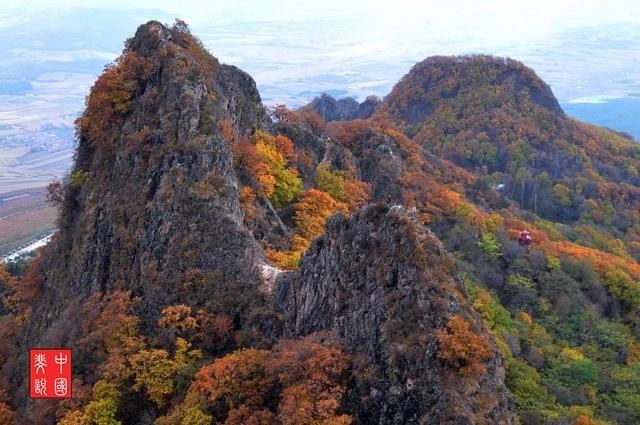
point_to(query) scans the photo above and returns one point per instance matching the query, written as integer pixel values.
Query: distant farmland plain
(28, 163)
(25, 215)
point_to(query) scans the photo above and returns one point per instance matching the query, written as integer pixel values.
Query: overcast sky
(483, 18)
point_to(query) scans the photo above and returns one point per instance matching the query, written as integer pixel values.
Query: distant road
(29, 248)
(25, 217)
(13, 198)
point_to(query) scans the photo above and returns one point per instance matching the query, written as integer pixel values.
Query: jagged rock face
(383, 283)
(152, 208)
(240, 103)
(331, 109)
(159, 201)
(376, 160)
(318, 148)
(382, 165)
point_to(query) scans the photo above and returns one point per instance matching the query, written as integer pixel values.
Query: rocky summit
(386, 307)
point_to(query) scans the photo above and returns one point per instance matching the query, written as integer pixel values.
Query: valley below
(25, 216)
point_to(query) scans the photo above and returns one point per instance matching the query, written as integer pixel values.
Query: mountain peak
(468, 86)
(183, 190)
(384, 284)
(149, 37)
(154, 179)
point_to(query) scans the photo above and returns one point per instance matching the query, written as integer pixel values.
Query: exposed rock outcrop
(152, 205)
(384, 284)
(345, 109)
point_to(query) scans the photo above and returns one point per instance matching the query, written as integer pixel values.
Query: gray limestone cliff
(152, 203)
(384, 284)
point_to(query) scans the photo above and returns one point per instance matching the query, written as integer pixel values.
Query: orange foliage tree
(211, 331)
(312, 210)
(110, 333)
(178, 318)
(237, 379)
(357, 193)
(252, 167)
(299, 382)
(264, 161)
(311, 370)
(112, 96)
(461, 347)
(583, 420)
(285, 146)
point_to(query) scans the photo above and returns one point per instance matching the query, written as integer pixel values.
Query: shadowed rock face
(159, 202)
(331, 109)
(383, 283)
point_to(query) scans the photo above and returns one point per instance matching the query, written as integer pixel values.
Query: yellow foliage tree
(155, 371)
(102, 408)
(283, 183)
(312, 210)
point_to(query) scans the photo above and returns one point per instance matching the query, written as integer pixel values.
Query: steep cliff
(383, 283)
(151, 206)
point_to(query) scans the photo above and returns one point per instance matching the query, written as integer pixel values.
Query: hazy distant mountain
(621, 114)
(50, 60)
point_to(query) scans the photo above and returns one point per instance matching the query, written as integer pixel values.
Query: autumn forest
(219, 261)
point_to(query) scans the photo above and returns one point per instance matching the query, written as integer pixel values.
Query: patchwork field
(33, 160)
(25, 216)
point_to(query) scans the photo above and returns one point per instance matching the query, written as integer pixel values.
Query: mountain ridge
(152, 231)
(386, 307)
(218, 264)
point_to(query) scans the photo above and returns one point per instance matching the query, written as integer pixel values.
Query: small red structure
(525, 237)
